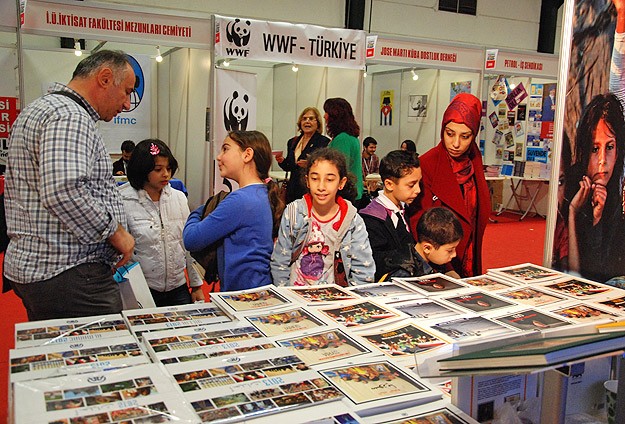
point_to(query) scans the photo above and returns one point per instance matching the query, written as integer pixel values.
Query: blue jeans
(178, 296)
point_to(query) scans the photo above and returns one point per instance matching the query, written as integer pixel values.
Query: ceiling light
(158, 57)
(365, 74)
(414, 75)
(77, 50)
(512, 85)
(225, 63)
(294, 68)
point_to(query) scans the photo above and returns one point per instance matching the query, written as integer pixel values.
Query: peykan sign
(291, 43)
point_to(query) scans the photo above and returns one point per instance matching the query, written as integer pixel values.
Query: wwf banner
(283, 42)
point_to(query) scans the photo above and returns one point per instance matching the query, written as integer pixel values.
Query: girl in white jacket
(156, 216)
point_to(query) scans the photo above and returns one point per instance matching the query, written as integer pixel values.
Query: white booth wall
(425, 132)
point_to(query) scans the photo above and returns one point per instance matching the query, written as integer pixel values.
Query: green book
(541, 352)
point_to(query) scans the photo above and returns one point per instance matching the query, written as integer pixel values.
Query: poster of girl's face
(591, 144)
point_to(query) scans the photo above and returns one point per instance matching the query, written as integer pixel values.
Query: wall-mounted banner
(427, 54)
(511, 63)
(234, 109)
(8, 13)
(284, 42)
(89, 21)
(133, 124)
(491, 58)
(9, 109)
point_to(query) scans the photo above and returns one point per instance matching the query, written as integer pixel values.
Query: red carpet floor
(507, 242)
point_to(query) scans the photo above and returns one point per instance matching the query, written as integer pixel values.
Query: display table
(524, 189)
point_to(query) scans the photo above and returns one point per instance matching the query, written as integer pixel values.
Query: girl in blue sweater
(246, 220)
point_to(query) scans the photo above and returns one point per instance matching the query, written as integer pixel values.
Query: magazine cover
(487, 282)
(324, 293)
(360, 314)
(403, 340)
(432, 284)
(423, 308)
(373, 386)
(579, 288)
(479, 302)
(439, 412)
(135, 394)
(59, 359)
(389, 289)
(280, 321)
(526, 273)
(470, 328)
(584, 313)
(324, 346)
(250, 300)
(531, 296)
(141, 321)
(258, 398)
(532, 319)
(68, 330)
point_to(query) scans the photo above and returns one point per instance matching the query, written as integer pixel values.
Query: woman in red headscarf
(453, 177)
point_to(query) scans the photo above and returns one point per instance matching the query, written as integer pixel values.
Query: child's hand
(197, 295)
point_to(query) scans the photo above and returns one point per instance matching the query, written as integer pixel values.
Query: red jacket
(439, 188)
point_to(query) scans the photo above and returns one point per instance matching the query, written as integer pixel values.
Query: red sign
(8, 114)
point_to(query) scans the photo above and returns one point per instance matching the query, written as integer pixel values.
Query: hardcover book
(432, 284)
(547, 351)
(135, 394)
(280, 321)
(69, 330)
(319, 347)
(59, 359)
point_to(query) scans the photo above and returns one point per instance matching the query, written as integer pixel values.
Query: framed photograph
(361, 314)
(418, 107)
(250, 300)
(325, 293)
(432, 284)
(583, 313)
(479, 302)
(532, 319)
(526, 273)
(531, 296)
(467, 328)
(403, 340)
(424, 308)
(487, 282)
(280, 321)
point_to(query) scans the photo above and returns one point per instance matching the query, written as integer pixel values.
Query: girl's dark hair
(257, 141)
(340, 117)
(141, 162)
(410, 146)
(608, 108)
(349, 191)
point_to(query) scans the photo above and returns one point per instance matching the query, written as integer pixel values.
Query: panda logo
(238, 32)
(236, 112)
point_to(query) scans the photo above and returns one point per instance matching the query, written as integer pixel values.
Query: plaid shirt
(61, 201)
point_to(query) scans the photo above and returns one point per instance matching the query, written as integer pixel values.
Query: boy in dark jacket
(391, 242)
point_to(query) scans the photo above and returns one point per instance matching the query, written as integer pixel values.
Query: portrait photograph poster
(595, 67)
(418, 107)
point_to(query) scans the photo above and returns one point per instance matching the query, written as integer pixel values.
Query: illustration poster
(386, 107)
(459, 87)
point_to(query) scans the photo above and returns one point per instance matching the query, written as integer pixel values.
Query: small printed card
(37, 333)
(323, 346)
(479, 302)
(324, 293)
(382, 290)
(583, 313)
(470, 328)
(250, 300)
(363, 313)
(579, 288)
(280, 321)
(441, 411)
(403, 340)
(526, 273)
(424, 308)
(487, 282)
(432, 284)
(532, 319)
(530, 296)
